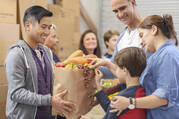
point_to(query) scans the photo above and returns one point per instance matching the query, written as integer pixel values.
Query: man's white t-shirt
(129, 39)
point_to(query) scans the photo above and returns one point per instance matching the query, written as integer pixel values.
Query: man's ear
(133, 3)
(27, 26)
(107, 43)
(154, 30)
(125, 70)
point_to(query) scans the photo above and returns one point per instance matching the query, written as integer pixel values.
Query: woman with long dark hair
(89, 43)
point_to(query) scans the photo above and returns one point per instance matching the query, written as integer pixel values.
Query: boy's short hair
(109, 34)
(132, 58)
(36, 13)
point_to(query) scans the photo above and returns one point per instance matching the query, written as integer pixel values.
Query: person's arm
(163, 71)
(105, 104)
(119, 103)
(103, 100)
(100, 95)
(150, 102)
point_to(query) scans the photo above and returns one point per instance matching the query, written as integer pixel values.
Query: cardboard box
(23, 5)
(58, 2)
(3, 79)
(3, 96)
(68, 29)
(69, 4)
(8, 11)
(3, 93)
(9, 34)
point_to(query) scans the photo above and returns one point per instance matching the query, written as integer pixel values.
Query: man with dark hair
(29, 72)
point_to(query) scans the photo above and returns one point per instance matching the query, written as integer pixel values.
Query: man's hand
(60, 105)
(119, 103)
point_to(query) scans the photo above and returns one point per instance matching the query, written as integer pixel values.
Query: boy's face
(112, 42)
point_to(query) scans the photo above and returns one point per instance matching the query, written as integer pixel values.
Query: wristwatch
(132, 103)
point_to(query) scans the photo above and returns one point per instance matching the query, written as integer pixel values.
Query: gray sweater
(23, 97)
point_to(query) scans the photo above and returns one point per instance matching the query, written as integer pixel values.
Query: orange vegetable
(86, 64)
(77, 53)
(77, 60)
(91, 56)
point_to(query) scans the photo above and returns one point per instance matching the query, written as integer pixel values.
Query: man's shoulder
(14, 56)
(14, 50)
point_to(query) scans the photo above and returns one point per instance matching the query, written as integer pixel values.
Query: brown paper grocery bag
(74, 81)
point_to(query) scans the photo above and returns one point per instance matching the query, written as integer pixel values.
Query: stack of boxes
(66, 18)
(9, 34)
(3, 92)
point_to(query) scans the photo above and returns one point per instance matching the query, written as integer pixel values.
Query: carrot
(77, 53)
(77, 60)
(91, 56)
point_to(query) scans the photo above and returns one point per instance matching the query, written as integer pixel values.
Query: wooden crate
(3, 94)
(9, 34)
(8, 11)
